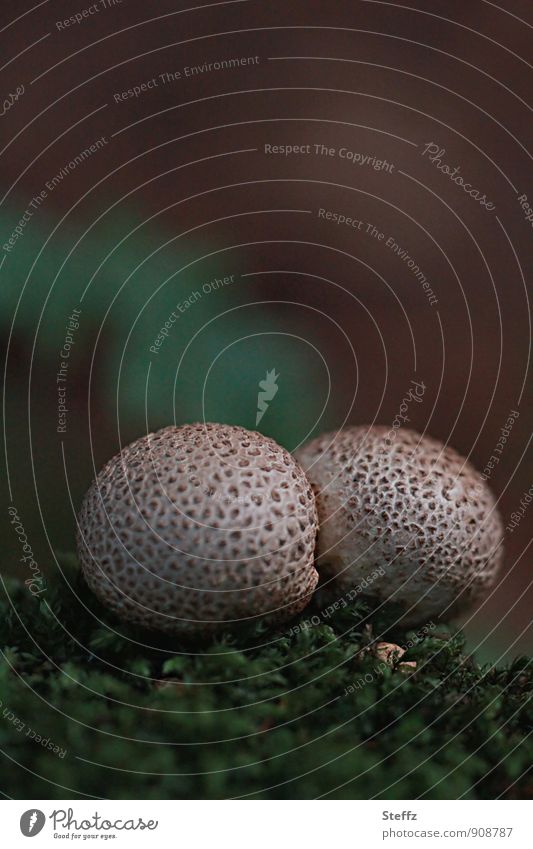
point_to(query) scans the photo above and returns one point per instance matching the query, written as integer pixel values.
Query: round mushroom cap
(402, 518)
(194, 529)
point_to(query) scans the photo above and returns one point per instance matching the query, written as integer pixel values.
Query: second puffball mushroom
(408, 507)
(195, 529)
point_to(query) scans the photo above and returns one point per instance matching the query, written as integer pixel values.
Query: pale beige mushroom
(409, 505)
(198, 528)
(390, 654)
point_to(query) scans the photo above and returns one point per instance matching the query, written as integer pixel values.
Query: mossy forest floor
(308, 711)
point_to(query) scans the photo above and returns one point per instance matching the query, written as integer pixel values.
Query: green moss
(294, 713)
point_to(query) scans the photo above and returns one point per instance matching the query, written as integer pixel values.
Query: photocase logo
(32, 822)
(269, 388)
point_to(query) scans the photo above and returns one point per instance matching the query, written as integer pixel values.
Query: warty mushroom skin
(408, 504)
(194, 529)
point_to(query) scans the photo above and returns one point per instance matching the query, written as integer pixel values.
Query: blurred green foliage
(127, 276)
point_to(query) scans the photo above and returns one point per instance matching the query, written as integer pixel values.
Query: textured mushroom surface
(407, 504)
(195, 528)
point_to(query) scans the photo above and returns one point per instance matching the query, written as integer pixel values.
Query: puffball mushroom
(192, 529)
(410, 505)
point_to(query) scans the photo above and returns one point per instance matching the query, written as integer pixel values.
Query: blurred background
(144, 162)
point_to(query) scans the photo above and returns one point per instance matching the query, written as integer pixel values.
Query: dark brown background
(448, 72)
